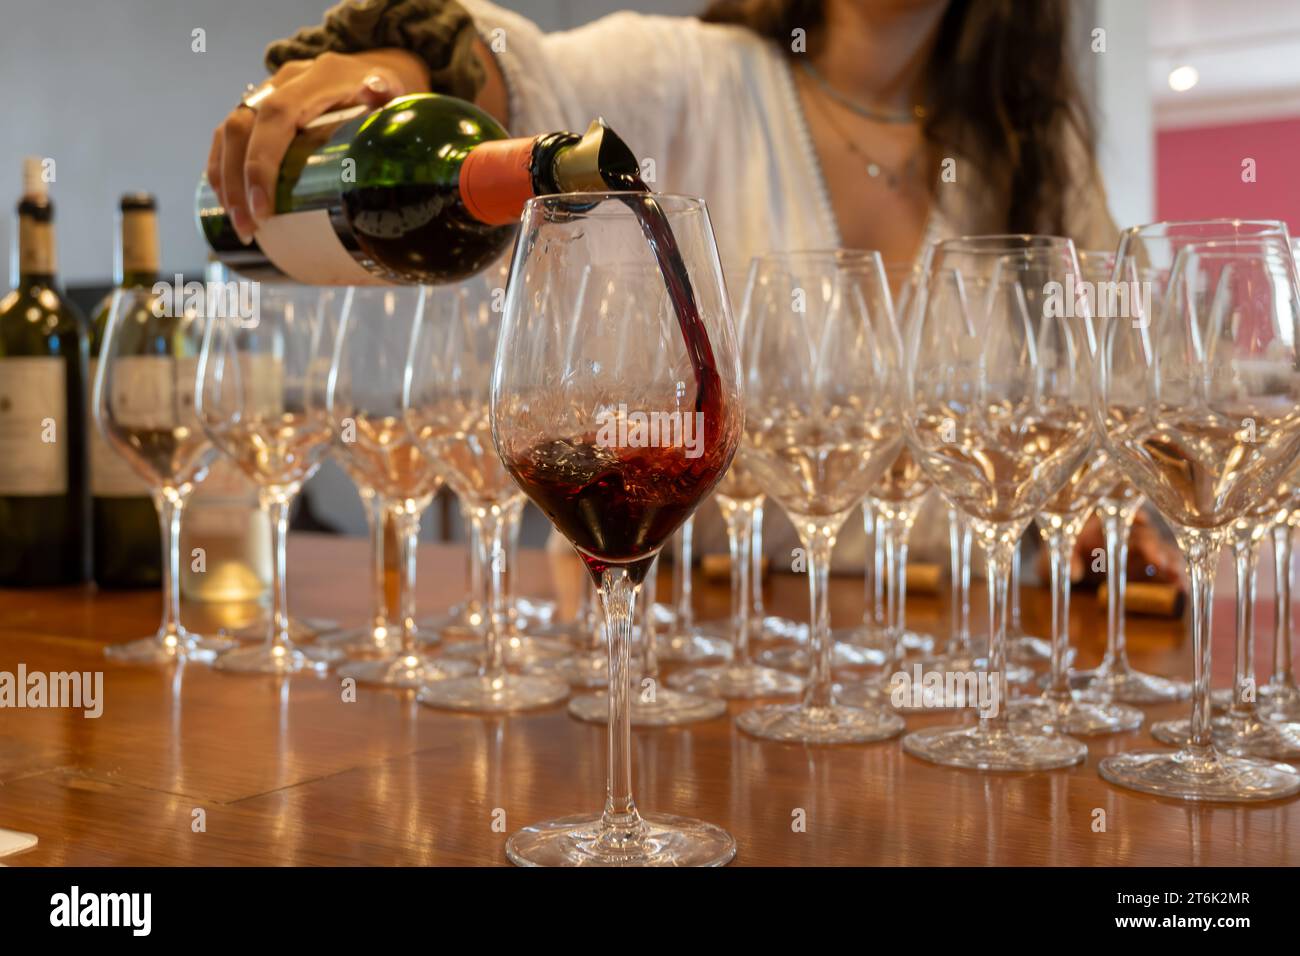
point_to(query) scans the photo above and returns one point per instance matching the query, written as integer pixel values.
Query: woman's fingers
(333, 82)
(235, 133)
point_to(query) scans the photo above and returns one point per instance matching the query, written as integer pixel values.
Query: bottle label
(36, 247)
(139, 242)
(305, 247)
(496, 179)
(111, 475)
(34, 426)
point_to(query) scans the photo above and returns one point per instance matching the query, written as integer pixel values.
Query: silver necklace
(866, 112)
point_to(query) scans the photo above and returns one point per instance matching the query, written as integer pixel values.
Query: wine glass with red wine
(618, 446)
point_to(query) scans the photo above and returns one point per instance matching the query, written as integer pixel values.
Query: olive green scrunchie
(440, 32)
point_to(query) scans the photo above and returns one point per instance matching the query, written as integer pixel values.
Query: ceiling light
(1183, 78)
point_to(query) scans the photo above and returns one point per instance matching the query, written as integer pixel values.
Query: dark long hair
(999, 88)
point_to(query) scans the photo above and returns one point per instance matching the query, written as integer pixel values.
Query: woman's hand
(248, 145)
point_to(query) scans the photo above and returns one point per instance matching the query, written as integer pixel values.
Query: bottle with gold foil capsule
(124, 521)
(44, 500)
(425, 189)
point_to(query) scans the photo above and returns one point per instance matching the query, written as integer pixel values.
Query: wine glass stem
(896, 519)
(1243, 695)
(870, 570)
(1202, 551)
(276, 505)
(1283, 543)
(1013, 593)
(999, 555)
(1060, 547)
(959, 544)
(514, 519)
(477, 600)
(618, 596)
(406, 522)
(378, 560)
(819, 541)
(1116, 522)
(170, 506)
(683, 605)
(757, 611)
(490, 522)
(649, 635)
(738, 516)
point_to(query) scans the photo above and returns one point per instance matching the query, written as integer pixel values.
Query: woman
(878, 124)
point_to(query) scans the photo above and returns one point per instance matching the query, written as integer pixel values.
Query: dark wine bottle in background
(426, 189)
(44, 499)
(127, 549)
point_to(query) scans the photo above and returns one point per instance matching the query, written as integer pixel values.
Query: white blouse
(716, 110)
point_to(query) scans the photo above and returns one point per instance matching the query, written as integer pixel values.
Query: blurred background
(123, 96)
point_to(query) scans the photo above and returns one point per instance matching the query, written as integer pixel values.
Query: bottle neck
(36, 250)
(137, 263)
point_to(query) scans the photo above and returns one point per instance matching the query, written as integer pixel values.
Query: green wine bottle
(127, 547)
(425, 189)
(44, 501)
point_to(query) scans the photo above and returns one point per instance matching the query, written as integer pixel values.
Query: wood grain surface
(287, 773)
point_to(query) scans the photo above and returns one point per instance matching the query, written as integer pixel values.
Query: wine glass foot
(272, 659)
(589, 668)
(692, 646)
(168, 647)
(534, 611)
(519, 650)
(1076, 717)
(493, 695)
(657, 840)
(1029, 650)
(1188, 776)
(877, 639)
(836, 724)
(795, 658)
(301, 629)
(978, 748)
(668, 709)
(908, 697)
(772, 627)
(1128, 686)
(736, 681)
(377, 641)
(407, 670)
(1237, 736)
(1280, 702)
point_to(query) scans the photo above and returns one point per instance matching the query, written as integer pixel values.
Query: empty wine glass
(995, 411)
(821, 376)
(617, 446)
(261, 398)
(448, 378)
(1197, 401)
(144, 407)
(1115, 678)
(364, 399)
